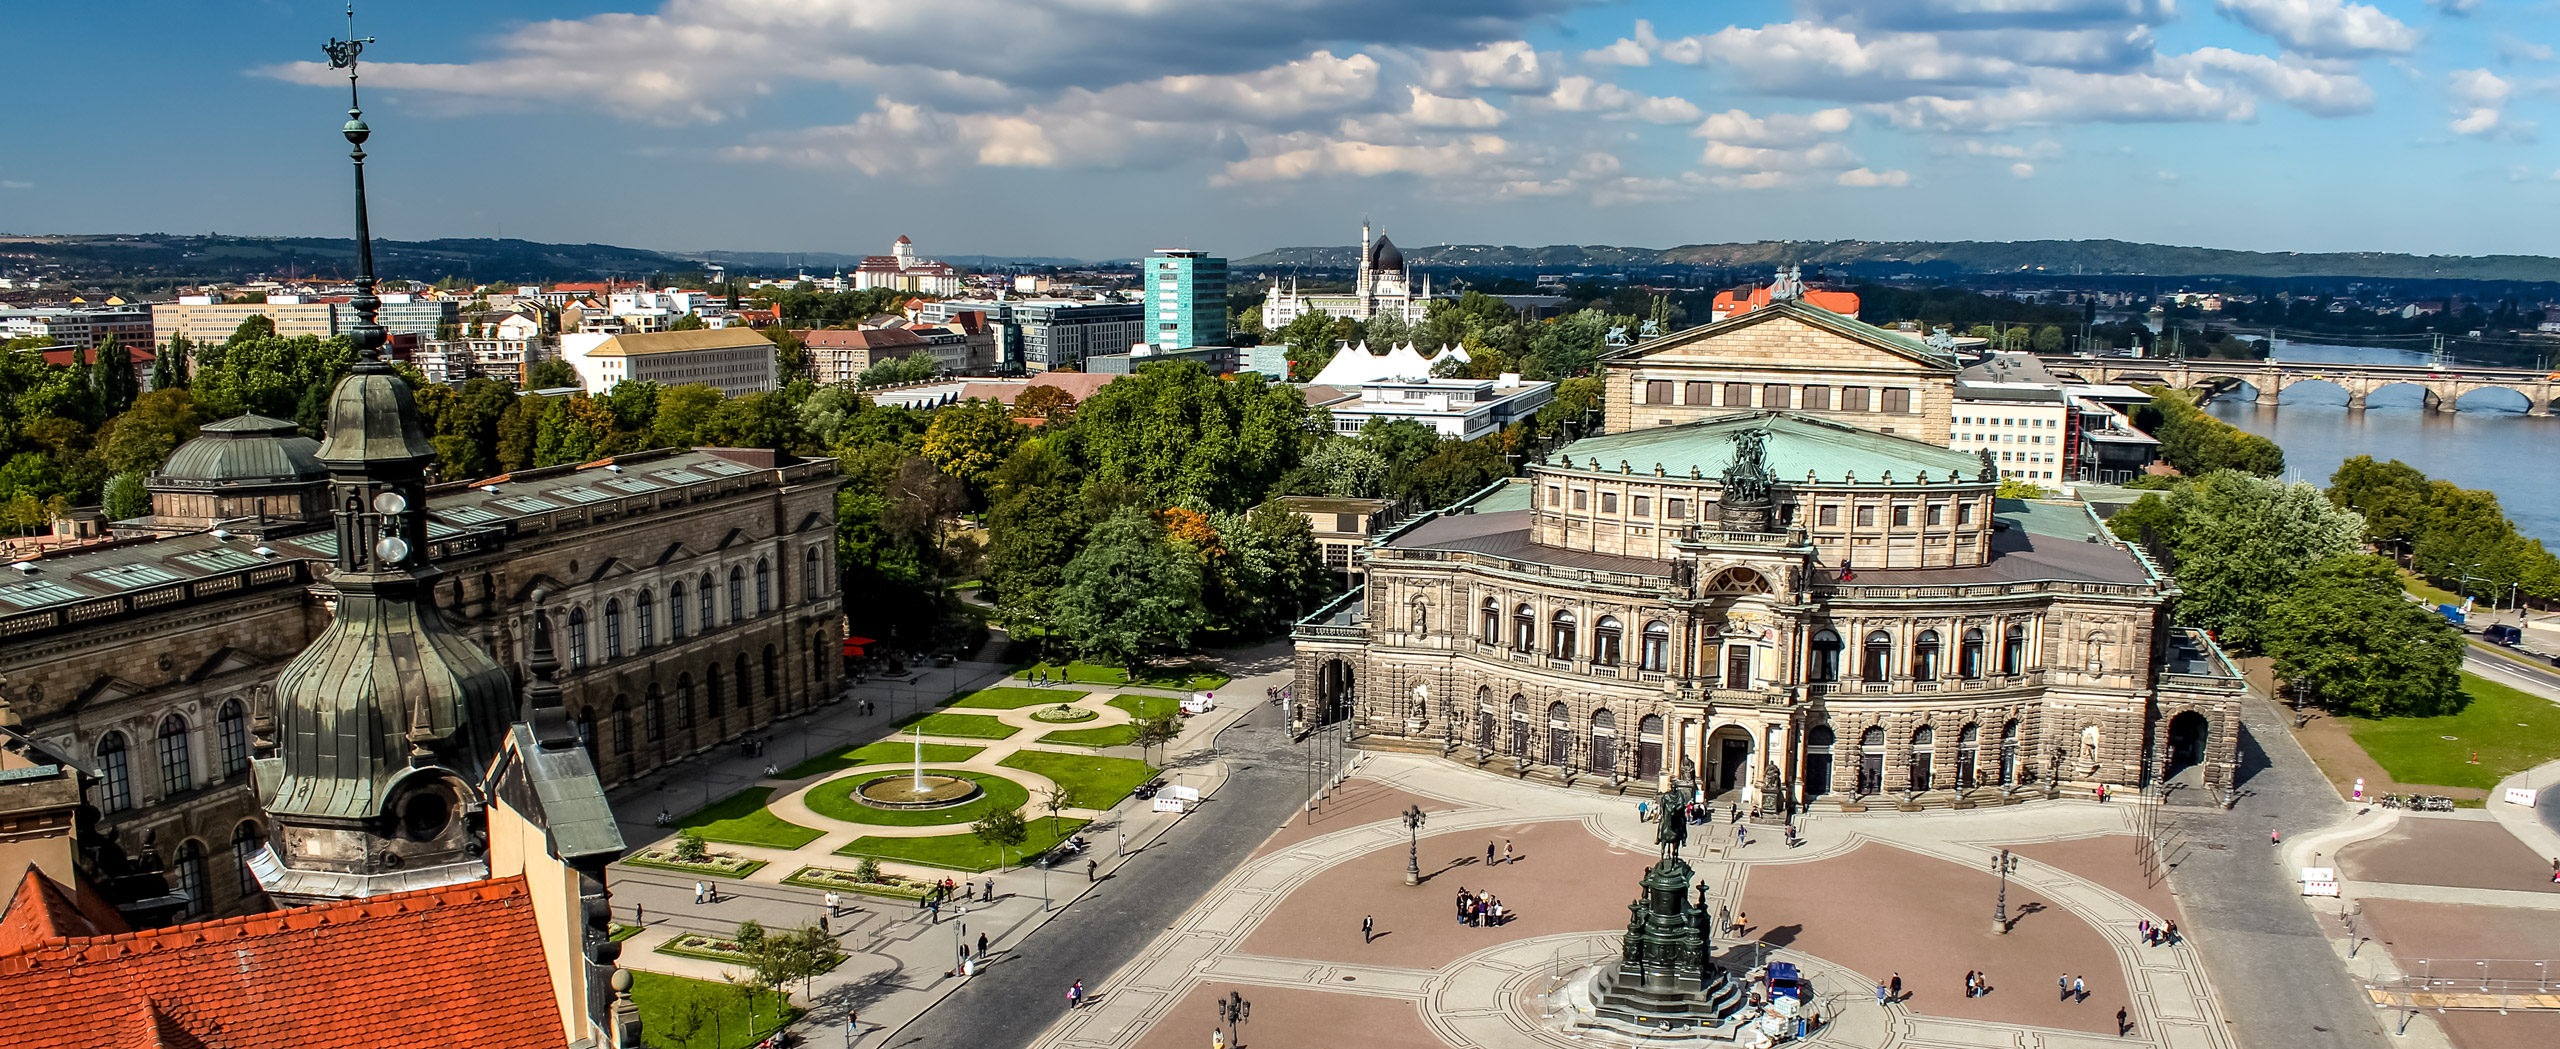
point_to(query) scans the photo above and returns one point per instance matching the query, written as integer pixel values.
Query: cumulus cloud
(1784, 149)
(2324, 28)
(2480, 87)
(1863, 177)
(1636, 50)
(1582, 94)
(1508, 65)
(2305, 85)
(2041, 149)
(2022, 169)
(2052, 97)
(1776, 129)
(1430, 110)
(1308, 156)
(2480, 98)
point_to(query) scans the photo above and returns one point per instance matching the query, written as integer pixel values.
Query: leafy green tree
(2048, 339)
(252, 328)
(2013, 488)
(273, 376)
(157, 423)
(1265, 570)
(2344, 634)
(683, 413)
(689, 322)
(969, 440)
(1129, 594)
(1310, 339)
(1181, 437)
(2392, 496)
(633, 404)
(916, 367)
(551, 374)
(2198, 444)
(1034, 528)
(169, 369)
(1451, 472)
(112, 380)
(790, 355)
(572, 429)
(2243, 540)
(1342, 468)
(2151, 514)
(1001, 829)
(1402, 442)
(1157, 731)
(690, 848)
(1573, 398)
(757, 420)
(125, 497)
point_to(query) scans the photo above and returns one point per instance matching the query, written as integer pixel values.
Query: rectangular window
(1737, 395)
(1582, 499)
(1643, 506)
(1964, 513)
(1774, 396)
(1853, 398)
(1675, 509)
(1897, 402)
(1866, 517)
(1902, 517)
(1694, 393)
(1555, 496)
(1657, 391)
(1937, 515)
(1608, 502)
(1830, 516)
(1817, 398)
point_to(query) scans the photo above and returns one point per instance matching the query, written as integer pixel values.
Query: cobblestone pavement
(1868, 897)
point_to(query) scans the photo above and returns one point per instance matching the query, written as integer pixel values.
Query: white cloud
(2454, 8)
(2518, 49)
(2323, 90)
(1868, 177)
(1825, 156)
(1303, 157)
(2022, 169)
(1821, 61)
(2480, 87)
(10, 183)
(1664, 109)
(2481, 121)
(2041, 149)
(1776, 129)
(1628, 51)
(2056, 97)
(1582, 94)
(1430, 110)
(1508, 65)
(2324, 28)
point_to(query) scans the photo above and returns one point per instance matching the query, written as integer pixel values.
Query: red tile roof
(456, 966)
(41, 911)
(62, 356)
(1731, 304)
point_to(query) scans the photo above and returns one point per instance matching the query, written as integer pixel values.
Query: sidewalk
(898, 962)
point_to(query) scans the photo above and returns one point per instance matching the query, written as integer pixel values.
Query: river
(2481, 446)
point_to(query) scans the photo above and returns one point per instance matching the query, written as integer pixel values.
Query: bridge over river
(2443, 388)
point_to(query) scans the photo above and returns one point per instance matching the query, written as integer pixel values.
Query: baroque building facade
(1785, 607)
(1383, 283)
(693, 594)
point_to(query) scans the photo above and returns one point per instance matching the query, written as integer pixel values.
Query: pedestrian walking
(1896, 984)
(1075, 994)
(2143, 928)
(1968, 983)
(639, 914)
(822, 925)
(1644, 814)
(991, 890)
(1368, 928)
(2079, 989)
(832, 899)
(2124, 1025)
(1217, 1039)
(1742, 923)
(935, 906)
(2275, 837)
(2063, 984)
(2172, 936)
(1506, 852)
(1488, 854)
(982, 945)
(1091, 866)
(1880, 995)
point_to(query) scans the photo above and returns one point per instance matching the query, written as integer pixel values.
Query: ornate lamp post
(2002, 865)
(1233, 1010)
(1413, 817)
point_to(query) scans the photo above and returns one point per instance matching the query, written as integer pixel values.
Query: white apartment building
(2013, 408)
(1462, 408)
(738, 361)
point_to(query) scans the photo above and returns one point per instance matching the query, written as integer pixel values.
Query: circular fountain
(916, 789)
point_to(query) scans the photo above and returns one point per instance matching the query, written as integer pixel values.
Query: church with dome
(1383, 285)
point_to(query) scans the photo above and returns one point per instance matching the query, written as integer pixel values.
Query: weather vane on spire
(366, 334)
(342, 53)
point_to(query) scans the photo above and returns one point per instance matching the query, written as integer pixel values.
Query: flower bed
(718, 866)
(717, 949)
(897, 887)
(1062, 713)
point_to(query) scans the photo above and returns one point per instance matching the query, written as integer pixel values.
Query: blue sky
(1098, 128)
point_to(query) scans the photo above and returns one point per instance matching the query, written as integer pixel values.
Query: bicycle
(2389, 801)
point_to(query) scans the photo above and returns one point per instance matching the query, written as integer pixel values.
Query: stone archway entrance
(1817, 761)
(1334, 690)
(2187, 735)
(1729, 760)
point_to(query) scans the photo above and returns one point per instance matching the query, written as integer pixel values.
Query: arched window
(809, 579)
(1604, 641)
(708, 623)
(1492, 622)
(1878, 664)
(1969, 663)
(1657, 647)
(2097, 651)
(1484, 716)
(737, 594)
(1562, 637)
(613, 628)
(1524, 629)
(1421, 618)
(675, 612)
(177, 766)
(1871, 760)
(764, 587)
(622, 724)
(2013, 650)
(1924, 657)
(190, 872)
(713, 701)
(684, 703)
(1824, 664)
(772, 676)
(245, 840)
(231, 724)
(653, 714)
(644, 613)
(1924, 741)
(577, 638)
(587, 731)
(1968, 756)
(1649, 746)
(1603, 756)
(1519, 724)
(2009, 752)
(115, 774)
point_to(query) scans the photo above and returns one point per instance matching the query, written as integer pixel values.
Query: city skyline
(835, 126)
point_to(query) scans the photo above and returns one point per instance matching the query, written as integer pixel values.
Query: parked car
(2502, 634)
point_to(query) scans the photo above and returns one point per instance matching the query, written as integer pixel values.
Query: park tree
(2392, 496)
(2344, 634)
(1266, 570)
(1129, 594)
(1044, 402)
(573, 429)
(1342, 468)
(157, 423)
(112, 381)
(898, 371)
(1573, 398)
(551, 374)
(170, 367)
(970, 439)
(764, 419)
(273, 376)
(1452, 471)
(1035, 526)
(125, 497)
(1310, 339)
(2243, 541)
(790, 355)
(691, 321)
(1001, 829)
(2049, 339)
(1157, 731)
(683, 412)
(1181, 436)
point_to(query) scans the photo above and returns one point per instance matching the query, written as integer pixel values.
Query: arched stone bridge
(2443, 388)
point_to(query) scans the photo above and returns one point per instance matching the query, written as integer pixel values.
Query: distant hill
(1948, 259)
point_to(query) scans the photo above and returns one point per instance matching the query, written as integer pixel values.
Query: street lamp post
(2002, 865)
(1413, 818)
(1233, 1010)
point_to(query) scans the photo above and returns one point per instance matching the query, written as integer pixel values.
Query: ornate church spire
(386, 724)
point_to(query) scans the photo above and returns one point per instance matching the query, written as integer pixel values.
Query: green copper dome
(244, 450)
(373, 417)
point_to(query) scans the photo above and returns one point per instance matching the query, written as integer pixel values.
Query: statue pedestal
(1665, 984)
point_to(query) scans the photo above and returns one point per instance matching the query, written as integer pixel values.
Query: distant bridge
(2442, 388)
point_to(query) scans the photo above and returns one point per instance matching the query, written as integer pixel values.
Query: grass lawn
(742, 819)
(1106, 736)
(1144, 707)
(835, 801)
(2512, 731)
(1097, 782)
(963, 726)
(623, 932)
(681, 1013)
(884, 752)
(2435, 595)
(1007, 697)
(1079, 672)
(963, 851)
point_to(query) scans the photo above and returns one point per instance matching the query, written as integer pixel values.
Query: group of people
(1480, 909)
(967, 891)
(2157, 934)
(1976, 983)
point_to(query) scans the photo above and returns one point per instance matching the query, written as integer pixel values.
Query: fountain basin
(898, 791)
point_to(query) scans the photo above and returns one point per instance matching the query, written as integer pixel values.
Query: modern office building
(1186, 293)
(203, 321)
(79, 327)
(738, 361)
(1463, 409)
(1049, 333)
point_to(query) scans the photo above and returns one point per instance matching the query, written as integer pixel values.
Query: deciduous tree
(2243, 541)
(2344, 634)
(1129, 594)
